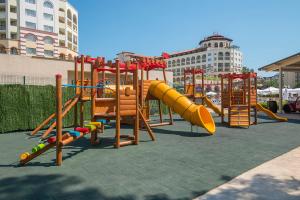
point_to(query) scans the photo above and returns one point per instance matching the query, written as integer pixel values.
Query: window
(74, 19)
(14, 51)
(48, 28)
(178, 62)
(198, 59)
(30, 38)
(2, 49)
(182, 61)
(2, 25)
(227, 67)
(227, 56)
(30, 25)
(62, 56)
(48, 40)
(188, 61)
(169, 63)
(31, 51)
(13, 9)
(75, 41)
(221, 44)
(48, 53)
(209, 44)
(69, 15)
(193, 60)
(48, 4)
(30, 1)
(204, 58)
(62, 43)
(216, 45)
(48, 16)
(30, 12)
(220, 56)
(2, 36)
(13, 36)
(220, 67)
(173, 63)
(13, 22)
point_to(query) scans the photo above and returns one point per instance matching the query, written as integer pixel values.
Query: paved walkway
(275, 179)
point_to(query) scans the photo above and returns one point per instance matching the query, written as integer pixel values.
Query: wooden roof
(291, 63)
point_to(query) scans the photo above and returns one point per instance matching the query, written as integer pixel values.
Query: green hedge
(25, 107)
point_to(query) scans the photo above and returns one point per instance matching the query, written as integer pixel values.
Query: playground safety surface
(180, 165)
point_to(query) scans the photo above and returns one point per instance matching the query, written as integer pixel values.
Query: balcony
(62, 20)
(62, 31)
(75, 28)
(69, 23)
(62, 44)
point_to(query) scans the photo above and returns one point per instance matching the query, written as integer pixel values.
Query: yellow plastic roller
(195, 114)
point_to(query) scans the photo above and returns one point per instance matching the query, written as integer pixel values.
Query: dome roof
(215, 37)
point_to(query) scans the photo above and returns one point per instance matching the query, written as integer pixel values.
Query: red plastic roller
(81, 129)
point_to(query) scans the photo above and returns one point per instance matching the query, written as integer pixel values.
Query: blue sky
(266, 30)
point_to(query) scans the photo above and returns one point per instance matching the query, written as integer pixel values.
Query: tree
(246, 70)
(271, 83)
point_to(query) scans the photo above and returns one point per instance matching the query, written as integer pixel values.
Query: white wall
(48, 68)
(35, 67)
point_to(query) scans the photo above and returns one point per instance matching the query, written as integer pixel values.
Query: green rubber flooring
(181, 164)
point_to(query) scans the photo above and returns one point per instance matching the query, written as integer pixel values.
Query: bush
(25, 107)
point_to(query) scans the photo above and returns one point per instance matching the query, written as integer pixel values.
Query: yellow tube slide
(195, 114)
(270, 113)
(210, 104)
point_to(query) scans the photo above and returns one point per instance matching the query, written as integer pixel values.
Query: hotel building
(43, 28)
(215, 55)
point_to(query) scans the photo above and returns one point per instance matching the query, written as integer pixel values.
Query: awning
(291, 63)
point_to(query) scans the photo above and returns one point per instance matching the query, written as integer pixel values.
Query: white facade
(215, 55)
(34, 28)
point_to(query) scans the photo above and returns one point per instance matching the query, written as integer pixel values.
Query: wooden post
(118, 117)
(249, 98)
(203, 91)
(142, 88)
(93, 93)
(76, 80)
(137, 120)
(81, 91)
(160, 111)
(222, 99)
(184, 82)
(245, 91)
(280, 88)
(255, 110)
(194, 85)
(58, 120)
(170, 110)
(230, 94)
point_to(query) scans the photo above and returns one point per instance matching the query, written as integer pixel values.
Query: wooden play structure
(196, 91)
(124, 100)
(82, 96)
(239, 98)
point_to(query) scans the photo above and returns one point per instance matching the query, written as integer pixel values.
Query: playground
(123, 151)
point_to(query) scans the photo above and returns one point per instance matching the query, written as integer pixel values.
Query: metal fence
(7, 79)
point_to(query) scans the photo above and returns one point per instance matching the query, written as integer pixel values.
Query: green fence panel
(24, 107)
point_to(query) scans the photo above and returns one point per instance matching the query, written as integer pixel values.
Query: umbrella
(211, 93)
